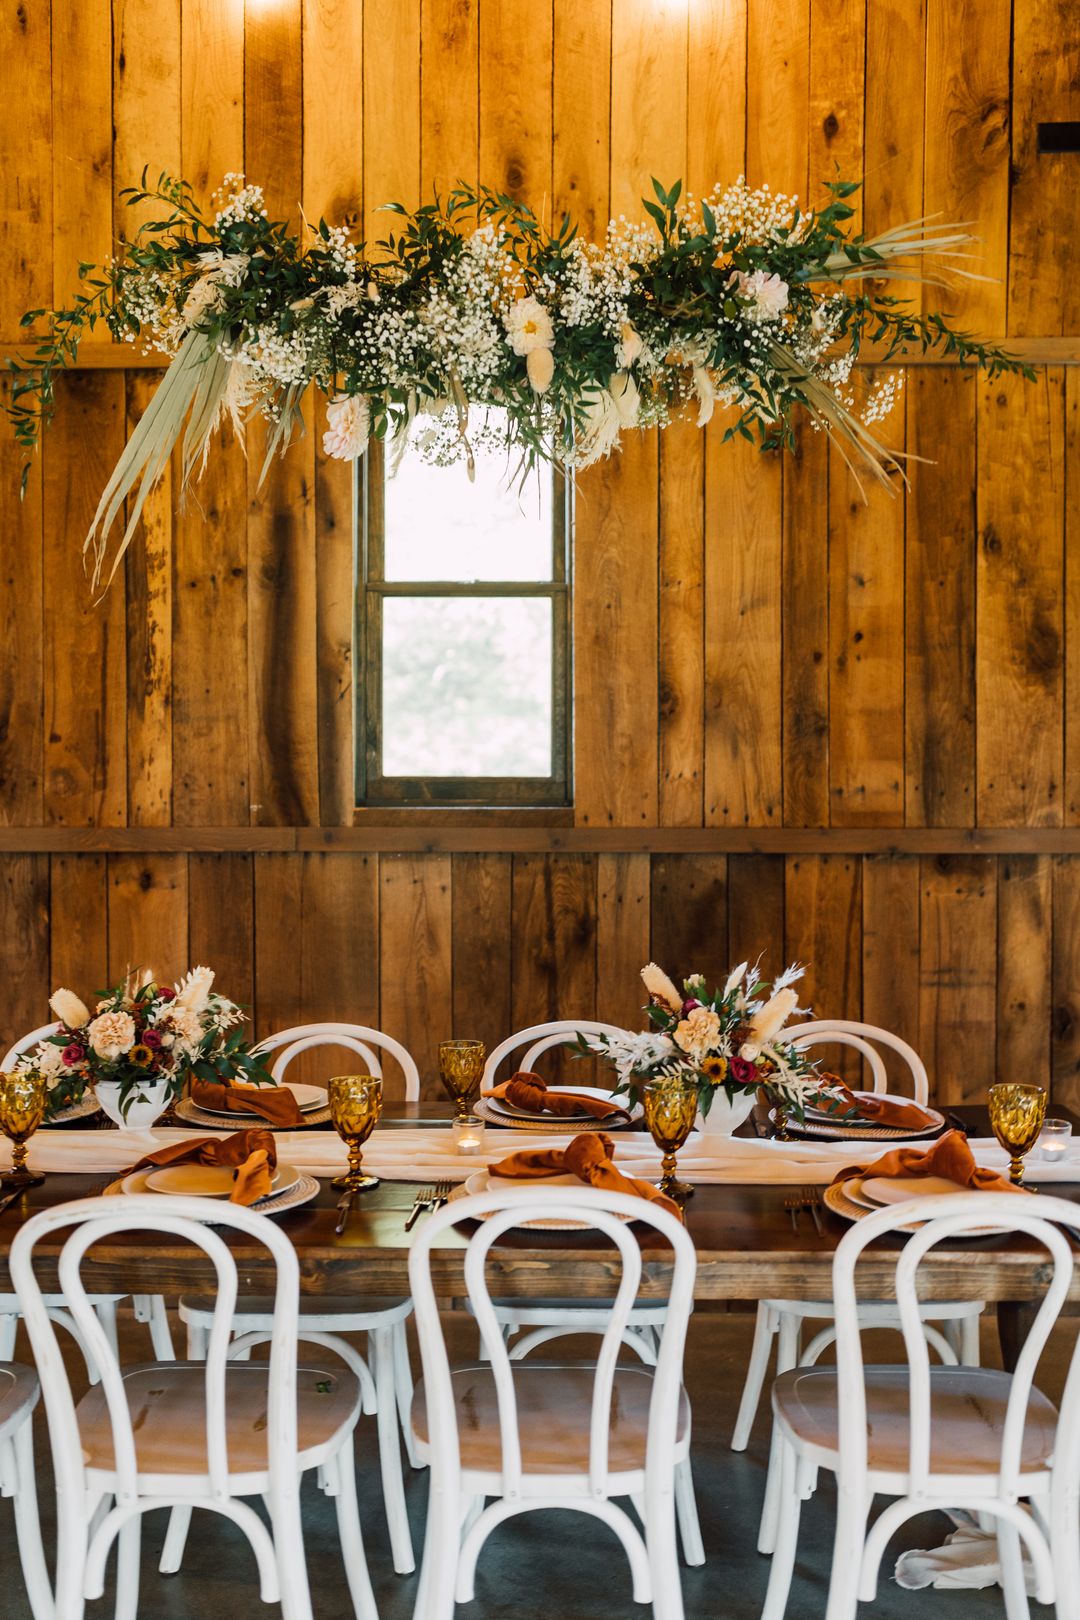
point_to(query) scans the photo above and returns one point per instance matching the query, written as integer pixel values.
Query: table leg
(1014, 1318)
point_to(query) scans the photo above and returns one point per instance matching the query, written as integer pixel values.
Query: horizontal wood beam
(1035, 351)
(531, 840)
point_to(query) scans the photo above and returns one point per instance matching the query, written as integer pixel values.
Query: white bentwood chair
(148, 1308)
(384, 1320)
(19, 1391)
(936, 1437)
(535, 1435)
(203, 1434)
(782, 1319)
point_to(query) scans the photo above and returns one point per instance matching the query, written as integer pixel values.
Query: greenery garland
(472, 323)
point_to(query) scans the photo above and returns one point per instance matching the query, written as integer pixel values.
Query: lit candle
(468, 1135)
(1055, 1139)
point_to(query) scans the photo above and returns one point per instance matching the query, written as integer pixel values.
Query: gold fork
(812, 1201)
(793, 1206)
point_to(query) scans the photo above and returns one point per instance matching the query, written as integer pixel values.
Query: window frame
(374, 790)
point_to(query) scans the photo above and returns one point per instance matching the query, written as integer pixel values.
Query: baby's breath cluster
(740, 300)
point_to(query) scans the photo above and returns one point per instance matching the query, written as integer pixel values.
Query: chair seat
(168, 1415)
(553, 1407)
(260, 1307)
(19, 1390)
(968, 1406)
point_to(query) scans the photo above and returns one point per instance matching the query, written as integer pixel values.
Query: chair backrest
(1038, 1216)
(26, 1043)
(92, 1219)
(540, 1038)
(865, 1038)
(497, 1213)
(358, 1038)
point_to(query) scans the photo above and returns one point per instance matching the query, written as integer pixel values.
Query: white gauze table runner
(427, 1154)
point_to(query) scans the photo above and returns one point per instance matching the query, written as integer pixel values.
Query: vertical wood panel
(682, 630)
(78, 926)
(1018, 644)
(756, 912)
(449, 95)
(622, 937)
(516, 44)
(689, 916)
(279, 900)
(967, 144)
(26, 220)
(716, 94)
(777, 94)
(339, 957)
(957, 991)
(24, 930)
(581, 96)
(146, 96)
(648, 100)
(823, 913)
(221, 923)
(148, 567)
(82, 204)
(890, 944)
(554, 935)
(333, 132)
(1071, 595)
(940, 602)
(482, 947)
(806, 633)
(415, 951)
(835, 91)
(1065, 1018)
(84, 641)
(148, 915)
(212, 92)
(743, 544)
(894, 120)
(22, 664)
(391, 103)
(1024, 977)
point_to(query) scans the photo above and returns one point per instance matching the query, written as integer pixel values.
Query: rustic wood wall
(804, 723)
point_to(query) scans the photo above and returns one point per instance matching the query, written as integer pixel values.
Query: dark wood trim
(456, 836)
(1037, 351)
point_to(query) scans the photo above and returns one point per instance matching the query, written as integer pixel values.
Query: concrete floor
(560, 1566)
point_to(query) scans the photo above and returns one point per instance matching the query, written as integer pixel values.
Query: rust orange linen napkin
(589, 1157)
(888, 1111)
(252, 1152)
(528, 1091)
(275, 1103)
(950, 1157)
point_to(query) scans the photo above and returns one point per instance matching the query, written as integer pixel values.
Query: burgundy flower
(152, 1039)
(742, 1072)
(688, 1006)
(72, 1054)
(166, 993)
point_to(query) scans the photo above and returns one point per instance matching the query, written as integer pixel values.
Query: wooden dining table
(748, 1248)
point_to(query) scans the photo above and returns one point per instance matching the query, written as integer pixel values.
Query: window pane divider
(453, 587)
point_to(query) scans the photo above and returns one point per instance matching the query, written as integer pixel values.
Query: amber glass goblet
(671, 1107)
(1016, 1115)
(461, 1069)
(355, 1105)
(23, 1095)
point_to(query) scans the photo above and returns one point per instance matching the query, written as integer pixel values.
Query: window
(464, 654)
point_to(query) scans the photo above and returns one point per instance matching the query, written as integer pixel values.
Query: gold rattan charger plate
(302, 1191)
(192, 1114)
(858, 1133)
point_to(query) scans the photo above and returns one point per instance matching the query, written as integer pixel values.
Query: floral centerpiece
(142, 1042)
(727, 1042)
(472, 321)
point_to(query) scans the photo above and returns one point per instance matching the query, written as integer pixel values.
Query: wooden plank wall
(756, 647)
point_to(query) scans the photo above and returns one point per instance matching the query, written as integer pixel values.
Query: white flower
(629, 346)
(599, 431)
(768, 294)
(528, 326)
(112, 1034)
(768, 1020)
(789, 976)
(183, 1024)
(193, 991)
(705, 389)
(540, 365)
(45, 1060)
(750, 1050)
(698, 1031)
(348, 428)
(660, 988)
(634, 1054)
(69, 1008)
(627, 400)
(734, 978)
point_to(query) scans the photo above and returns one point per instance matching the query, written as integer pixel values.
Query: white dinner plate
(484, 1181)
(865, 1195)
(823, 1116)
(499, 1105)
(308, 1098)
(210, 1180)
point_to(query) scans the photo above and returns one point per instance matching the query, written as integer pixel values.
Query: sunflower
(714, 1068)
(141, 1056)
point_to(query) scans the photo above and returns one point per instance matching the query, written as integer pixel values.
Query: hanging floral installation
(472, 323)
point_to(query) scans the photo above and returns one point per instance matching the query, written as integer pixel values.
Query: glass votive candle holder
(468, 1134)
(1054, 1140)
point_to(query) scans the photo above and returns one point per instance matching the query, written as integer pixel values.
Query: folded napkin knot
(589, 1157)
(275, 1103)
(532, 1095)
(891, 1112)
(950, 1157)
(253, 1152)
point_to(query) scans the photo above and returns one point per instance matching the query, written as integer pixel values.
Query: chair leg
(128, 1545)
(969, 1351)
(660, 1544)
(687, 1514)
(787, 1357)
(439, 1566)
(1012, 1572)
(403, 1389)
(289, 1553)
(381, 1341)
(351, 1537)
(9, 1326)
(789, 1509)
(160, 1334)
(848, 1545)
(172, 1553)
(764, 1329)
(27, 1526)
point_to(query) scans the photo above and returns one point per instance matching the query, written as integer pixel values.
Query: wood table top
(746, 1245)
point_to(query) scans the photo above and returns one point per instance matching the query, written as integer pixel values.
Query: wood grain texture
(958, 974)
(221, 922)
(22, 671)
(1071, 599)
(1065, 983)
(623, 945)
(26, 187)
(449, 95)
(823, 912)
(24, 928)
(1024, 974)
(415, 953)
(836, 91)
(482, 947)
(581, 101)
(648, 99)
(78, 927)
(391, 103)
(82, 137)
(805, 609)
(716, 94)
(148, 570)
(756, 898)
(148, 916)
(894, 118)
(777, 94)
(891, 945)
(682, 629)
(1046, 88)
(689, 916)
(554, 938)
(333, 128)
(515, 100)
(212, 93)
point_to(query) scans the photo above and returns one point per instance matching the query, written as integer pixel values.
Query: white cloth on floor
(968, 1559)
